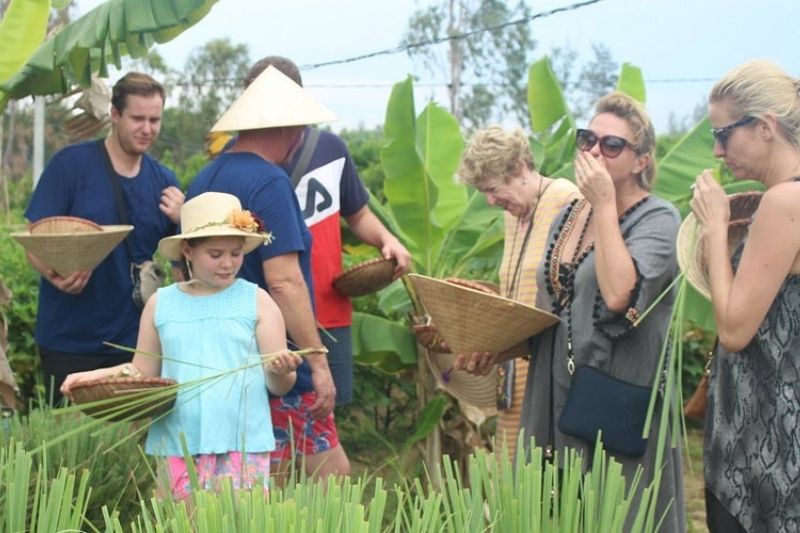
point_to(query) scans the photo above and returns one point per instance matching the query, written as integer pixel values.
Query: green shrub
(23, 280)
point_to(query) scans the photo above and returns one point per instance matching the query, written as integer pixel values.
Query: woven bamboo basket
(133, 397)
(365, 278)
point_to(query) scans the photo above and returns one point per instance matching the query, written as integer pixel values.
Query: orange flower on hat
(243, 220)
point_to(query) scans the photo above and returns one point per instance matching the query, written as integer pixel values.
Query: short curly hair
(494, 152)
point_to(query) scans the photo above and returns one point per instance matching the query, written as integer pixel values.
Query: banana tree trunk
(426, 390)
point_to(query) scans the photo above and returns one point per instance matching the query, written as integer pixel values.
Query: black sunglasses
(722, 134)
(610, 145)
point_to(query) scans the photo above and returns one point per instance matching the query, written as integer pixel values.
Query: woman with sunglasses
(752, 441)
(609, 257)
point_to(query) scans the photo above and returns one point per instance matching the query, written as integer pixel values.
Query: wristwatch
(129, 371)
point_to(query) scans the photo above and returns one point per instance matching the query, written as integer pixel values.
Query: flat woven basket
(70, 244)
(136, 398)
(691, 246)
(365, 278)
(475, 321)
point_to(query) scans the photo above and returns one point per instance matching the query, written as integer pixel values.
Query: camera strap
(122, 211)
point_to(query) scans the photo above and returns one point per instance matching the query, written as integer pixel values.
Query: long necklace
(512, 287)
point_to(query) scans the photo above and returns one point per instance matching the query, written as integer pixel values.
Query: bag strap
(112, 175)
(305, 156)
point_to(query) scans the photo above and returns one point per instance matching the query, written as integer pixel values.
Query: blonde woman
(609, 256)
(752, 443)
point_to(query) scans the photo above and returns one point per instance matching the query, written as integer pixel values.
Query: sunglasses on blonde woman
(722, 134)
(610, 145)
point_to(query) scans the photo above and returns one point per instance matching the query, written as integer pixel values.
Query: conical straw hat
(472, 389)
(70, 244)
(690, 245)
(271, 101)
(474, 321)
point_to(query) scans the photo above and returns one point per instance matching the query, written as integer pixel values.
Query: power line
(458, 36)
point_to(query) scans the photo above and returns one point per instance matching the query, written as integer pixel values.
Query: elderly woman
(609, 257)
(752, 469)
(499, 164)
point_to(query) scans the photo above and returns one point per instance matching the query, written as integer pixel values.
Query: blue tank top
(202, 337)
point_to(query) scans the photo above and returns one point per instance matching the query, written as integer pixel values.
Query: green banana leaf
(103, 35)
(631, 82)
(387, 345)
(419, 159)
(24, 25)
(477, 234)
(546, 103)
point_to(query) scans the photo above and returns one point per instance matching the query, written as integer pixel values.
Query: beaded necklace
(560, 276)
(567, 281)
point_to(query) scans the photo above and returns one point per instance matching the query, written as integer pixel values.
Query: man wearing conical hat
(270, 117)
(328, 187)
(103, 181)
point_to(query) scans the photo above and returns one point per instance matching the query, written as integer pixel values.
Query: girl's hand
(594, 181)
(477, 363)
(710, 204)
(81, 377)
(284, 363)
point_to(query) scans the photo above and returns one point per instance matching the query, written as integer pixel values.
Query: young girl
(213, 323)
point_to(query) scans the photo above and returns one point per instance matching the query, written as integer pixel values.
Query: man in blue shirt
(270, 116)
(77, 314)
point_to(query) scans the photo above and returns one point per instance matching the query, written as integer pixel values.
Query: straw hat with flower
(273, 100)
(215, 214)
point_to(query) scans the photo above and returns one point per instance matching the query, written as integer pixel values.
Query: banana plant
(87, 45)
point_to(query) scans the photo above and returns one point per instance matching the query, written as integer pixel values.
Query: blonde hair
(494, 153)
(644, 135)
(759, 87)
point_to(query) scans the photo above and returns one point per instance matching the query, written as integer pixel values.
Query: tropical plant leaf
(388, 345)
(411, 195)
(678, 169)
(479, 227)
(22, 29)
(546, 102)
(429, 418)
(631, 82)
(106, 33)
(440, 144)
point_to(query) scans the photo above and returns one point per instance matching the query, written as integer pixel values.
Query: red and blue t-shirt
(328, 190)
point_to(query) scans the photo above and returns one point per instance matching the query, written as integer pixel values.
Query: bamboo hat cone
(475, 321)
(70, 244)
(690, 245)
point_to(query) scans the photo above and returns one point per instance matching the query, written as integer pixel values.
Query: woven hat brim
(67, 253)
(170, 247)
(480, 391)
(365, 278)
(474, 321)
(131, 395)
(271, 101)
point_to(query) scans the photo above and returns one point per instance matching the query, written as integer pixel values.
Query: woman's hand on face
(284, 362)
(479, 363)
(594, 181)
(710, 204)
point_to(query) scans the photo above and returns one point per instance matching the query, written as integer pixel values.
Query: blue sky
(668, 39)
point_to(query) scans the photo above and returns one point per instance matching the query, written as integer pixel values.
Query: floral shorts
(245, 470)
(294, 428)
